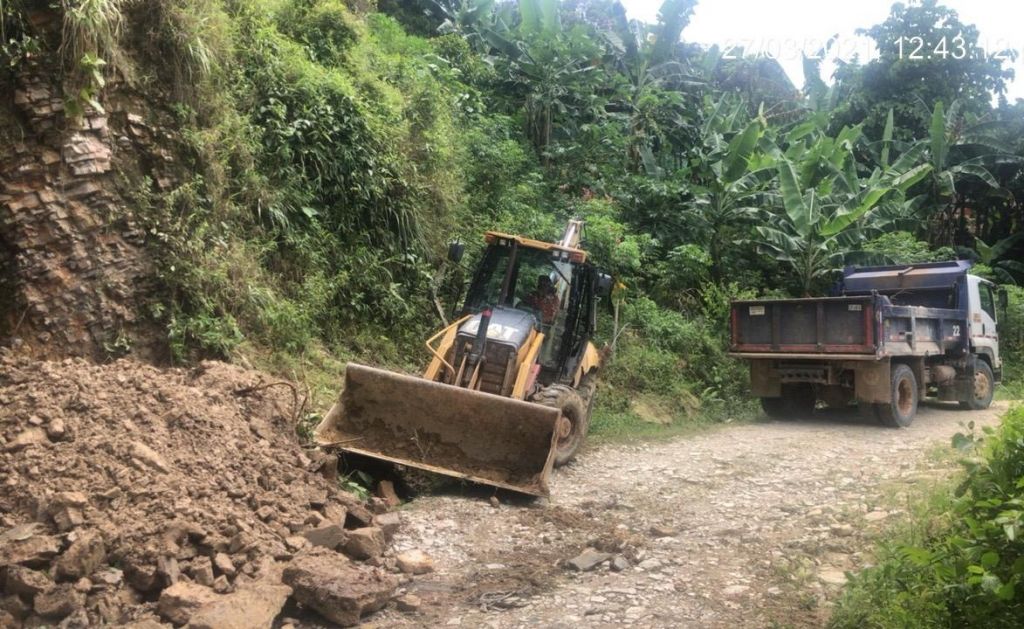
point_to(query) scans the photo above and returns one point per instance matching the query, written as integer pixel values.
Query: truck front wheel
(900, 411)
(983, 388)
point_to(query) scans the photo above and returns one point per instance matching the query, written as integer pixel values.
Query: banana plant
(960, 149)
(646, 74)
(825, 201)
(550, 70)
(949, 140)
(1006, 269)
(472, 19)
(726, 180)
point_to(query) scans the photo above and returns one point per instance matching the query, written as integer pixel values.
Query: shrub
(969, 570)
(903, 248)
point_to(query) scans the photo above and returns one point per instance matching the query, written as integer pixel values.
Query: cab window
(988, 304)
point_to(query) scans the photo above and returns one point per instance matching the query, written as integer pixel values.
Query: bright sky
(784, 27)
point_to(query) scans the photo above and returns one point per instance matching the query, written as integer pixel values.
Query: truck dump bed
(917, 310)
(828, 325)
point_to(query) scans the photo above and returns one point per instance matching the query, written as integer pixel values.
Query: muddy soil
(744, 526)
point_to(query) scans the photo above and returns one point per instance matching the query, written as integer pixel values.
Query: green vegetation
(960, 562)
(1011, 343)
(328, 150)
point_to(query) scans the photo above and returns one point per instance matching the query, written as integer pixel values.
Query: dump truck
(509, 387)
(887, 338)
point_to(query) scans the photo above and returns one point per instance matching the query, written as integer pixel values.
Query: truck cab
(984, 320)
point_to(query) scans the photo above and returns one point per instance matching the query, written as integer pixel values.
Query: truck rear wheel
(572, 423)
(774, 407)
(797, 401)
(983, 390)
(800, 399)
(900, 411)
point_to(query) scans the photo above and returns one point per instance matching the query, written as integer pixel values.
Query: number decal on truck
(756, 311)
(855, 307)
(956, 330)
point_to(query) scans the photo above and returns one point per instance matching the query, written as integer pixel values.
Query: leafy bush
(969, 570)
(324, 28)
(1011, 325)
(1011, 344)
(302, 220)
(903, 248)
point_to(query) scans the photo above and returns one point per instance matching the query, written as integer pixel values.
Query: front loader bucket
(444, 429)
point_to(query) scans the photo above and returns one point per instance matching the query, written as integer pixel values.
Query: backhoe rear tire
(572, 424)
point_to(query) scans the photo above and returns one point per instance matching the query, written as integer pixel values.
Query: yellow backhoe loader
(510, 384)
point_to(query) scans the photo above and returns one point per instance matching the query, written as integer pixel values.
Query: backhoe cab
(508, 391)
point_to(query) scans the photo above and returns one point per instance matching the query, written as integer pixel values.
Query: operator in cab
(544, 300)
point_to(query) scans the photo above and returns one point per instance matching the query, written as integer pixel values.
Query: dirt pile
(131, 494)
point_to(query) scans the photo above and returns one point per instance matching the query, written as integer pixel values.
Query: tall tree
(926, 54)
(646, 69)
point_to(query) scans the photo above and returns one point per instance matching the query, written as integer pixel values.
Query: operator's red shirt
(547, 304)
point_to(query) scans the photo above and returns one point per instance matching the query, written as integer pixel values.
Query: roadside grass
(319, 372)
(948, 560)
(1010, 391)
(1012, 387)
(613, 423)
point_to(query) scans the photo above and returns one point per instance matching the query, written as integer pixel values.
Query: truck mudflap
(439, 428)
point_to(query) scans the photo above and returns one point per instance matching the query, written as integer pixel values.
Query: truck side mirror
(1004, 301)
(604, 284)
(455, 251)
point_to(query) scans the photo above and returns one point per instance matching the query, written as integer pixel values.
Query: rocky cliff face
(74, 271)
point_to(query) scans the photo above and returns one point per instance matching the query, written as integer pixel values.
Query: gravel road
(750, 525)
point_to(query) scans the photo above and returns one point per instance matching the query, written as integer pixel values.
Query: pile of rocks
(138, 495)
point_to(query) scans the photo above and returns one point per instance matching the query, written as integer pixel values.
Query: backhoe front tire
(899, 413)
(572, 423)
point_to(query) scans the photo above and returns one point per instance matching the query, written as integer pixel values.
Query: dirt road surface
(745, 526)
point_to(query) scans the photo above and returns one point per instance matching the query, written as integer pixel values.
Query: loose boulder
(82, 558)
(330, 536)
(254, 606)
(28, 545)
(589, 559)
(25, 581)
(59, 601)
(365, 543)
(388, 522)
(179, 602)
(340, 591)
(415, 562)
